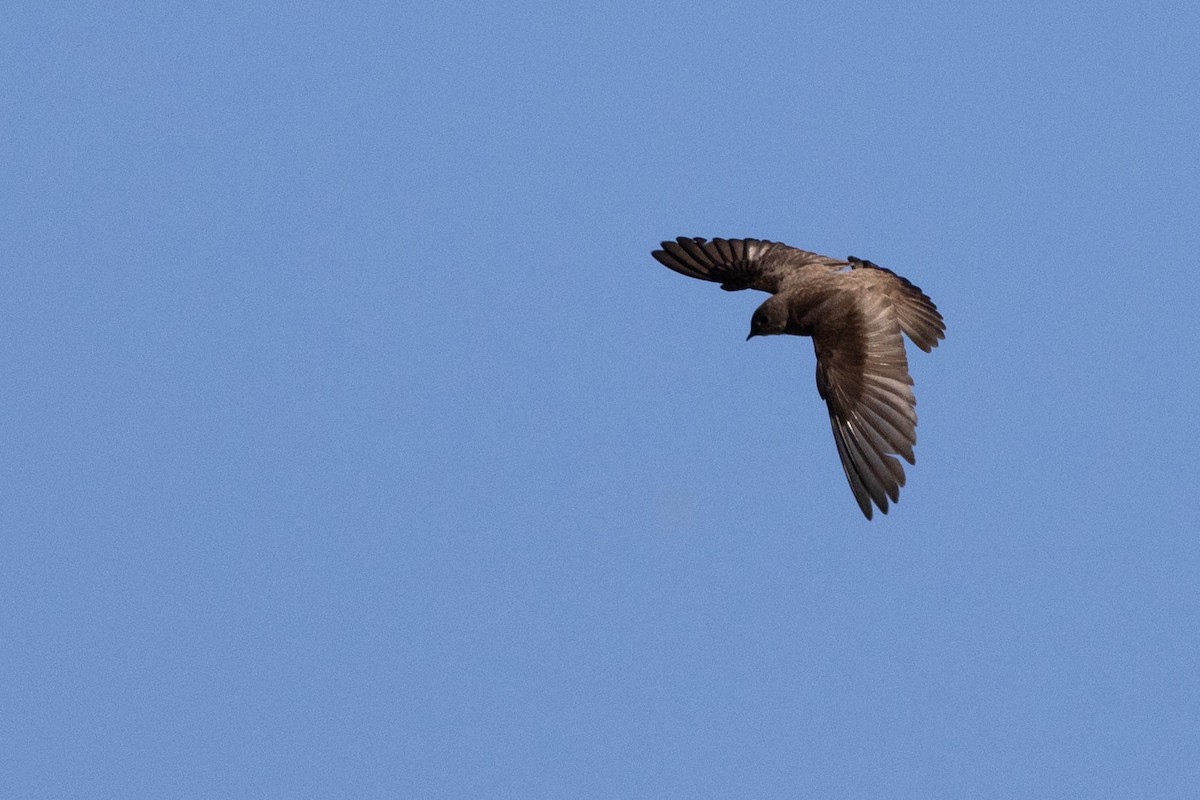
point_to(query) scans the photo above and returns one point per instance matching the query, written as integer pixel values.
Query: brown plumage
(854, 311)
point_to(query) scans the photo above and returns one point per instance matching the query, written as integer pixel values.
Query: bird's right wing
(862, 374)
(733, 263)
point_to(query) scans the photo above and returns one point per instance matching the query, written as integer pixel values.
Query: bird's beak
(750, 336)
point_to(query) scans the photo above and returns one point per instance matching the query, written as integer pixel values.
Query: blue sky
(355, 446)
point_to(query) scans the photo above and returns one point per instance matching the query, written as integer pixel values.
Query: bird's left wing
(733, 263)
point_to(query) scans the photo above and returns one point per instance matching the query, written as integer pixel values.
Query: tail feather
(918, 316)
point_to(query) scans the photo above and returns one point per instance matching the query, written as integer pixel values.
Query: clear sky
(355, 446)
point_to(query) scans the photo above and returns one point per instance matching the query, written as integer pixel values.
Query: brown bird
(854, 311)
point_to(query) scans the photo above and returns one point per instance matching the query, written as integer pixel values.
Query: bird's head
(769, 318)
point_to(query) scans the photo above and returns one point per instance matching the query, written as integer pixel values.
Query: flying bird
(854, 310)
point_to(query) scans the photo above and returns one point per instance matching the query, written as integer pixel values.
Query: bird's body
(854, 311)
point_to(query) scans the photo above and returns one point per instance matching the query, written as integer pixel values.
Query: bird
(854, 310)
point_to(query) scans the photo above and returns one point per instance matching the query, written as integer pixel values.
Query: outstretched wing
(862, 374)
(733, 263)
(917, 314)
